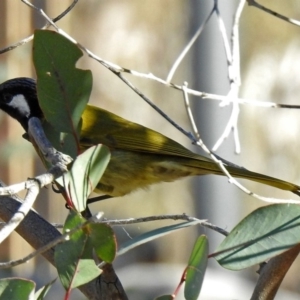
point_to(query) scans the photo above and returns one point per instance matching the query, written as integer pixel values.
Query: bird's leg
(98, 198)
(57, 189)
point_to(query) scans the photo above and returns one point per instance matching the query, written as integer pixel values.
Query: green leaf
(16, 288)
(65, 143)
(63, 90)
(196, 269)
(152, 235)
(85, 174)
(74, 258)
(266, 232)
(86, 269)
(43, 291)
(103, 240)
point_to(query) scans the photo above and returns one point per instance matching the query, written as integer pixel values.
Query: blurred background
(147, 36)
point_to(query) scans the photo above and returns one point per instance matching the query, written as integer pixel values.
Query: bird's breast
(128, 171)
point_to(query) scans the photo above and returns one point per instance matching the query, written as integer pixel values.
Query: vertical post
(215, 199)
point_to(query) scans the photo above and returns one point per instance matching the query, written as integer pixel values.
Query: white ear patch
(19, 102)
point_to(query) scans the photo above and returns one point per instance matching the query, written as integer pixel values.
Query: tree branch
(38, 232)
(273, 273)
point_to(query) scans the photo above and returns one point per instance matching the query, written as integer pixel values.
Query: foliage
(263, 234)
(63, 92)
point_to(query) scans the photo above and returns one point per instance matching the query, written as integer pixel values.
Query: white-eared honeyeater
(139, 156)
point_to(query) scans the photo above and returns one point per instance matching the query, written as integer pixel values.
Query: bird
(140, 156)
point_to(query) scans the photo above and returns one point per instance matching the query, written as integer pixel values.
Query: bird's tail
(207, 166)
(264, 179)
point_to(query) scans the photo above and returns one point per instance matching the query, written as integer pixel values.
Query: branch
(38, 232)
(273, 13)
(58, 161)
(273, 273)
(204, 223)
(188, 47)
(54, 157)
(220, 162)
(29, 38)
(117, 71)
(233, 61)
(52, 244)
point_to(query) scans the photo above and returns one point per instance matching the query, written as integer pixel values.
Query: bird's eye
(7, 97)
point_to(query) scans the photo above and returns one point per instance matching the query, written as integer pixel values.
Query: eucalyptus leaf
(196, 268)
(266, 232)
(16, 288)
(103, 240)
(85, 174)
(152, 235)
(74, 258)
(63, 90)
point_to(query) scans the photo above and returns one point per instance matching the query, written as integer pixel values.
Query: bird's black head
(18, 98)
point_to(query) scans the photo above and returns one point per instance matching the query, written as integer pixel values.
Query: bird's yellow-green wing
(102, 127)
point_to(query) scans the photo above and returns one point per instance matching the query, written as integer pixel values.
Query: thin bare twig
(273, 13)
(233, 60)
(19, 215)
(235, 43)
(223, 167)
(150, 76)
(58, 161)
(188, 47)
(29, 38)
(53, 243)
(232, 180)
(189, 111)
(117, 71)
(122, 222)
(222, 29)
(33, 187)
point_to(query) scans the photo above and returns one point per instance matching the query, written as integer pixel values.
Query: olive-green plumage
(139, 156)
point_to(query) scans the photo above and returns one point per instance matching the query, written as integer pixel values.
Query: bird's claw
(57, 158)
